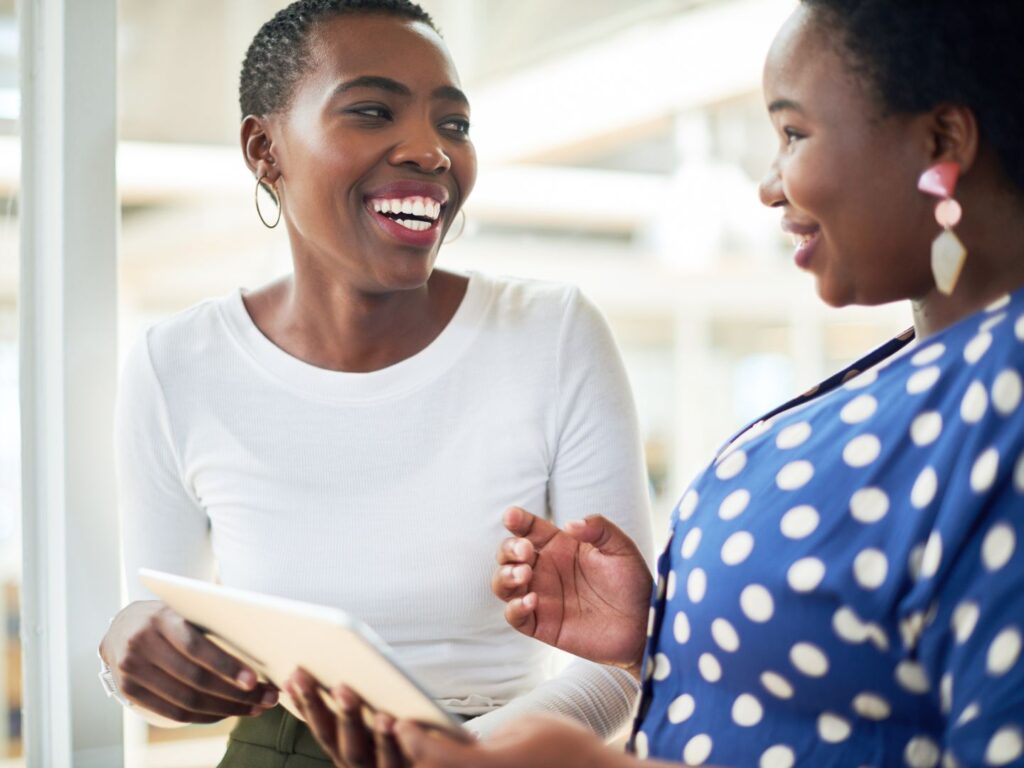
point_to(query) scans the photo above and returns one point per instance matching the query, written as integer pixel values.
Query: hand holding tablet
(276, 636)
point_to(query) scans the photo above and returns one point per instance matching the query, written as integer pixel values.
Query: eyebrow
(780, 105)
(446, 92)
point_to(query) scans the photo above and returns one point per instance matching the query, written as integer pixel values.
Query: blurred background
(620, 147)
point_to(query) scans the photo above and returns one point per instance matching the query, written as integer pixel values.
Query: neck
(341, 328)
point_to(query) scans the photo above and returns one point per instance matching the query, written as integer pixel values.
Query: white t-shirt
(382, 493)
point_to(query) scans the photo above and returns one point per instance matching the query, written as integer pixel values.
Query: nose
(423, 151)
(770, 188)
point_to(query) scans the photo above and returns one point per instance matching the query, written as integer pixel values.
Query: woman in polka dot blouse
(844, 584)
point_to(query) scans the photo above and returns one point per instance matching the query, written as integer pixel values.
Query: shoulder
(540, 305)
(182, 340)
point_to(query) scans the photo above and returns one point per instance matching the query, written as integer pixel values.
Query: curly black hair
(279, 54)
(917, 54)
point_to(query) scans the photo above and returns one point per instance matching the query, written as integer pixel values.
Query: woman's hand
(585, 590)
(342, 734)
(536, 741)
(165, 665)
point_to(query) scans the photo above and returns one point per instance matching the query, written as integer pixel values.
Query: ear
(258, 148)
(954, 135)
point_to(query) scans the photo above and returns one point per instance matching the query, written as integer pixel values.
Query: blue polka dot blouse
(844, 583)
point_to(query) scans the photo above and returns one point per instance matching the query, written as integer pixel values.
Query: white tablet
(274, 635)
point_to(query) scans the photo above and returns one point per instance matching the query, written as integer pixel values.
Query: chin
(407, 276)
(834, 295)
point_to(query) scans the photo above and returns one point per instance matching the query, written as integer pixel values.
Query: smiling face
(373, 152)
(845, 176)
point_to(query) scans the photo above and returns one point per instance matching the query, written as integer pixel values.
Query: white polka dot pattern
(793, 436)
(870, 568)
(747, 711)
(680, 710)
(737, 548)
(869, 505)
(800, 522)
(862, 450)
(859, 409)
(731, 465)
(809, 659)
(709, 668)
(795, 475)
(777, 685)
(1004, 652)
(871, 706)
(926, 428)
(964, 620)
(833, 728)
(734, 504)
(690, 543)
(697, 585)
(998, 546)
(698, 749)
(681, 628)
(805, 575)
(1006, 392)
(912, 677)
(924, 488)
(1006, 746)
(725, 635)
(778, 756)
(922, 752)
(977, 347)
(757, 604)
(833, 547)
(975, 403)
(641, 745)
(923, 380)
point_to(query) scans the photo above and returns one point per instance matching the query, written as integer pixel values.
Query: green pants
(275, 739)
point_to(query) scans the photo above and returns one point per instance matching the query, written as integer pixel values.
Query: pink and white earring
(948, 253)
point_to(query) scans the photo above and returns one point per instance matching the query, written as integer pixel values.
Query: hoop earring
(462, 229)
(948, 253)
(273, 195)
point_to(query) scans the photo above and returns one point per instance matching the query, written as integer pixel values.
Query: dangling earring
(462, 229)
(948, 253)
(273, 196)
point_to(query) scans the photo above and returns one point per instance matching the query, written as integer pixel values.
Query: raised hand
(585, 589)
(167, 666)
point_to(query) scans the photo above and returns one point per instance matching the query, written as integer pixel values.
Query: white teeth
(413, 224)
(415, 206)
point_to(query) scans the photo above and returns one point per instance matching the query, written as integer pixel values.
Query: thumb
(603, 535)
(427, 748)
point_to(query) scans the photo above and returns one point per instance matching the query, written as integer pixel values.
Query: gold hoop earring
(462, 229)
(273, 196)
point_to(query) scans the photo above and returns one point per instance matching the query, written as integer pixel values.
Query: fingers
(321, 721)
(190, 642)
(524, 525)
(389, 755)
(521, 614)
(355, 740)
(602, 534)
(139, 694)
(428, 748)
(514, 551)
(182, 669)
(511, 581)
